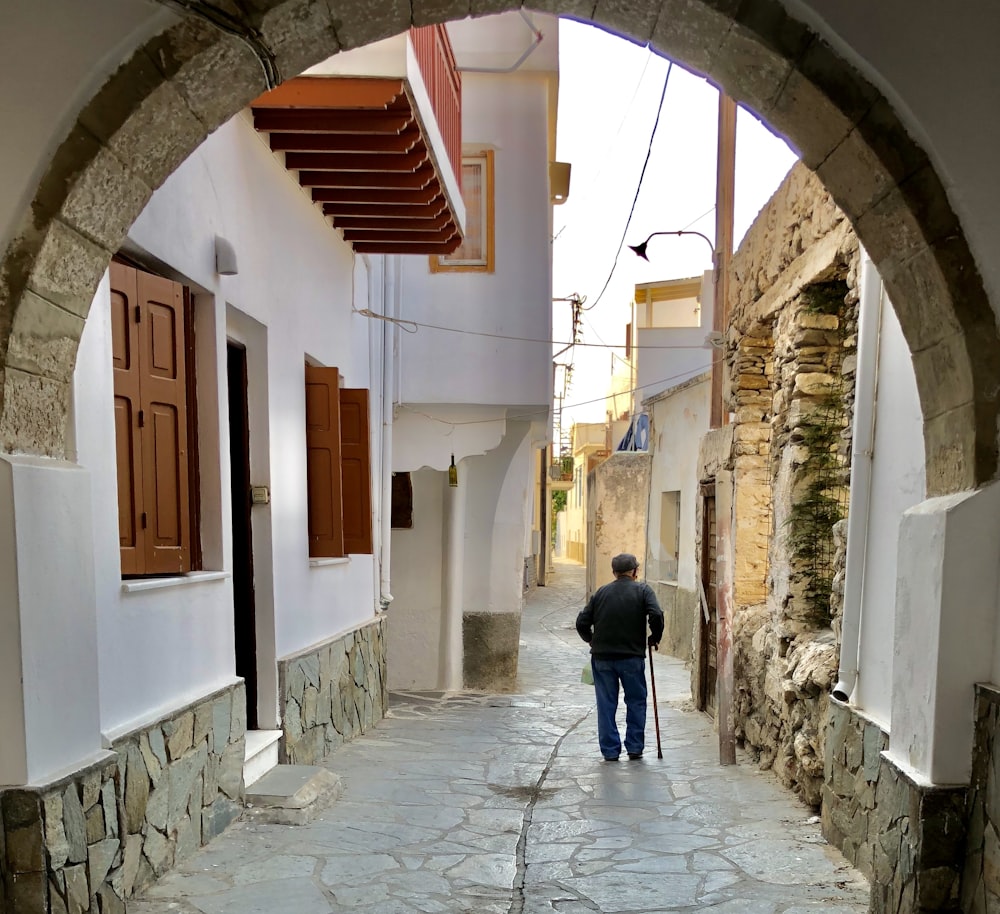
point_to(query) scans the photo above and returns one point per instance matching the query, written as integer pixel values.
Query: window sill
(340, 560)
(185, 580)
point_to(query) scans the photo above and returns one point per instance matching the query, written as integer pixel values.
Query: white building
(246, 404)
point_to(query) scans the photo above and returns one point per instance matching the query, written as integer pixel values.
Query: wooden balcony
(364, 148)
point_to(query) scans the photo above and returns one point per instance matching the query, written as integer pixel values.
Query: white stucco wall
(296, 284)
(508, 114)
(414, 633)
(679, 420)
(897, 483)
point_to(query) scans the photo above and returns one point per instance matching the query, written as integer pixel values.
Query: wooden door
(708, 640)
(244, 607)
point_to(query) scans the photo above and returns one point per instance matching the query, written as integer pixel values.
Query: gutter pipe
(862, 465)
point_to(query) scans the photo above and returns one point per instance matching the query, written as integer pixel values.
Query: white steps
(261, 754)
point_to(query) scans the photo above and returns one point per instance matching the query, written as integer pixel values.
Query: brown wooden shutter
(355, 463)
(125, 359)
(164, 429)
(325, 499)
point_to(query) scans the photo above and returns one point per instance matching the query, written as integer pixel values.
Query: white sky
(609, 91)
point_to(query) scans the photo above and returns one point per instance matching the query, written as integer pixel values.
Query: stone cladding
(85, 843)
(332, 692)
(981, 873)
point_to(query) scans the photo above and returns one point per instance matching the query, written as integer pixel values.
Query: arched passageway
(185, 81)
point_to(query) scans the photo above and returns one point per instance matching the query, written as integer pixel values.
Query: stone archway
(185, 82)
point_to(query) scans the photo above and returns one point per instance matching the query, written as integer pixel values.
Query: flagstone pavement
(502, 804)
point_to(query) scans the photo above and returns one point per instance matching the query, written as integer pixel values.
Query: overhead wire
(638, 187)
(415, 325)
(544, 411)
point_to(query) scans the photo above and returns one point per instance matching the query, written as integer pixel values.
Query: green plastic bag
(587, 674)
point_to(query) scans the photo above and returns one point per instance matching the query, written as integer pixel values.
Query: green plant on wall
(558, 504)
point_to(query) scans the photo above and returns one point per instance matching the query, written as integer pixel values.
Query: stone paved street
(503, 805)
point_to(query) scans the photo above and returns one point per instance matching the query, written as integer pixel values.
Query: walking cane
(656, 712)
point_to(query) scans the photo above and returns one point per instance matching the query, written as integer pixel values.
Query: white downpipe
(454, 563)
(862, 463)
(390, 308)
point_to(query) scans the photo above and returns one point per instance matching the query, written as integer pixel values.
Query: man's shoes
(632, 756)
(611, 758)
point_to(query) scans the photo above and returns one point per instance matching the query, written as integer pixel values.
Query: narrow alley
(502, 803)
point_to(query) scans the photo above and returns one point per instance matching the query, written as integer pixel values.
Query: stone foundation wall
(909, 839)
(490, 644)
(981, 874)
(87, 842)
(332, 693)
(854, 747)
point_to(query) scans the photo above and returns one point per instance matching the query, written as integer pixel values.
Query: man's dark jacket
(614, 620)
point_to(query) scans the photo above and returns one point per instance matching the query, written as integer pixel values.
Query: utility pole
(724, 188)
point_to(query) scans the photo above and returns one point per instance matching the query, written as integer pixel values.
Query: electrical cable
(544, 411)
(413, 326)
(635, 199)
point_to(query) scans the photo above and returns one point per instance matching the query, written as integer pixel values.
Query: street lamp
(640, 249)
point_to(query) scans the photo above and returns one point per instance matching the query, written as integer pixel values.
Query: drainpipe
(866, 396)
(390, 308)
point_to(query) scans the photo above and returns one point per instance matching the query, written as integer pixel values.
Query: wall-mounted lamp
(640, 249)
(453, 473)
(225, 257)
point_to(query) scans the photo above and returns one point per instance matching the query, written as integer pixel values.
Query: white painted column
(49, 692)
(946, 611)
(453, 571)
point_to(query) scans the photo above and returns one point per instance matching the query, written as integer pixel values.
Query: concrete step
(292, 794)
(261, 754)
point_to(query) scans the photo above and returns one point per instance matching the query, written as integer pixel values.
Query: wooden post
(724, 187)
(724, 190)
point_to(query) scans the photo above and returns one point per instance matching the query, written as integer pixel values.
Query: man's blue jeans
(631, 673)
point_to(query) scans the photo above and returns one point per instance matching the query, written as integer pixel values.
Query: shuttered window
(148, 339)
(337, 466)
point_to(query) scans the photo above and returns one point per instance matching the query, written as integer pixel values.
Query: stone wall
(908, 838)
(790, 363)
(87, 842)
(981, 873)
(854, 746)
(332, 692)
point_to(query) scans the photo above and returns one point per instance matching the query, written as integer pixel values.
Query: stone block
(100, 858)
(360, 22)
(950, 446)
(179, 735)
(632, 19)
(217, 817)
(157, 806)
(159, 853)
(202, 724)
(74, 825)
(56, 845)
(692, 32)
(105, 199)
(490, 650)
(136, 789)
(182, 777)
(944, 376)
(804, 113)
(67, 268)
(130, 866)
(430, 12)
(194, 56)
(95, 824)
(222, 712)
(44, 338)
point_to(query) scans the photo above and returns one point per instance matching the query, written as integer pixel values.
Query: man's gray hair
(624, 563)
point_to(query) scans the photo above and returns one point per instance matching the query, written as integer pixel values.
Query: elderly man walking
(614, 623)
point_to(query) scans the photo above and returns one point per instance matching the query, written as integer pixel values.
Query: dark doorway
(708, 632)
(244, 617)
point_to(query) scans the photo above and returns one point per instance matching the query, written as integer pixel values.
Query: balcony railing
(432, 48)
